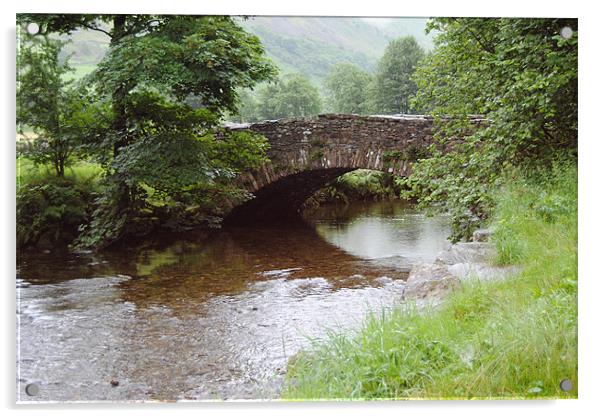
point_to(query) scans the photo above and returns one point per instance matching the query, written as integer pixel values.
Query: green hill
(308, 45)
(311, 45)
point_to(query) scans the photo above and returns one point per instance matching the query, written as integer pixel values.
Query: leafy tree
(394, 86)
(58, 112)
(154, 65)
(291, 96)
(248, 108)
(522, 76)
(348, 86)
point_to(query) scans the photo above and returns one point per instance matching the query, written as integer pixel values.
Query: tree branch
(87, 26)
(486, 48)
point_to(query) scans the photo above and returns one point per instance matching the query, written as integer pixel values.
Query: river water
(195, 317)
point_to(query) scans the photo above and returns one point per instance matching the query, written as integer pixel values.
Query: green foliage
(508, 339)
(316, 154)
(238, 151)
(522, 76)
(555, 203)
(358, 185)
(51, 209)
(347, 86)
(58, 113)
(248, 108)
(457, 183)
(208, 57)
(411, 153)
(157, 149)
(394, 86)
(82, 171)
(175, 149)
(291, 96)
(165, 149)
(110, 221)
(366, 185)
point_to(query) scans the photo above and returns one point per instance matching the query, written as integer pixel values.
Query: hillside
(309, 45)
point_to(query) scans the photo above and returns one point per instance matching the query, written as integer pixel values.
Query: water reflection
(210, 317)
(383, 230)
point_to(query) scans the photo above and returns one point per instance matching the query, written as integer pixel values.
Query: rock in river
(429, 280)
(460, 262)
(473, 260)
(467, 252)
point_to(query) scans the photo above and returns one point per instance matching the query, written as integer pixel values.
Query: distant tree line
(347, 89)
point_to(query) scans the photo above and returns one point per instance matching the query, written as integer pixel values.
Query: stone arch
(278, 201)
(307, 153)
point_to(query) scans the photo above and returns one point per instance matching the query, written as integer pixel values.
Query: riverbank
(515, 338)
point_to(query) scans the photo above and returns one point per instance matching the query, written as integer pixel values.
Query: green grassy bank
(82, 171)
(50, 209)
(515, 338)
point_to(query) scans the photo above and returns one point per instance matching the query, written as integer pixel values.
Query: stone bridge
(308, 153)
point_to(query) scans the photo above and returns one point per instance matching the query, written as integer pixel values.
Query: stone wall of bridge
(307, 153)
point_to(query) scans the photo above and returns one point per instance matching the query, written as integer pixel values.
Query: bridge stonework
(307, 153)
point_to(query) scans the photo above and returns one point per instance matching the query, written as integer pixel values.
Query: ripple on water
(198, 319)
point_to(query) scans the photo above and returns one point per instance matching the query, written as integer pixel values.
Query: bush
(51, 209)
(362, 185)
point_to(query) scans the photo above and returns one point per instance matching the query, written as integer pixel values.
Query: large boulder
(466, 271)
(432, 280)
(467, 252)
(474, 260)
(460, 262)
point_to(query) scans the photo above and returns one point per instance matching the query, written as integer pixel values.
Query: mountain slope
(307, 45)
(311, 45)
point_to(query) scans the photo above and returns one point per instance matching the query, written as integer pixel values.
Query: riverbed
(196, 317)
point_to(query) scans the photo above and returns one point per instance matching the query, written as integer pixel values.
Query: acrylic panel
(295, 208)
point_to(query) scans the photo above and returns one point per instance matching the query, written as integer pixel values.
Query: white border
(590, 152)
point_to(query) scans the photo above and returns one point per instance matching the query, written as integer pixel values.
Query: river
(195, 317)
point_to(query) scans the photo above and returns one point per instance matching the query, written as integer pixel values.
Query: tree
(521, 74)
(154, 65)
(394, 86)
(291, 96)
(347, 86)
(58, 112)
(248, 108)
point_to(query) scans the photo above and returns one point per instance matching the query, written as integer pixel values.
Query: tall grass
(28, 172)
(515, 338)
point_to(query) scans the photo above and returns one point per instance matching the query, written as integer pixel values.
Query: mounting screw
(33, 28)
(566, 32)
(566, 385)
(32, 389)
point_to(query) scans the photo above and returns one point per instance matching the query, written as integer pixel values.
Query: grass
(79, 71)
(27, 171)
(515, 338)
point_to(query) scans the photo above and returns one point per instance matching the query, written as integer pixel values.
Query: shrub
(51, 209)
